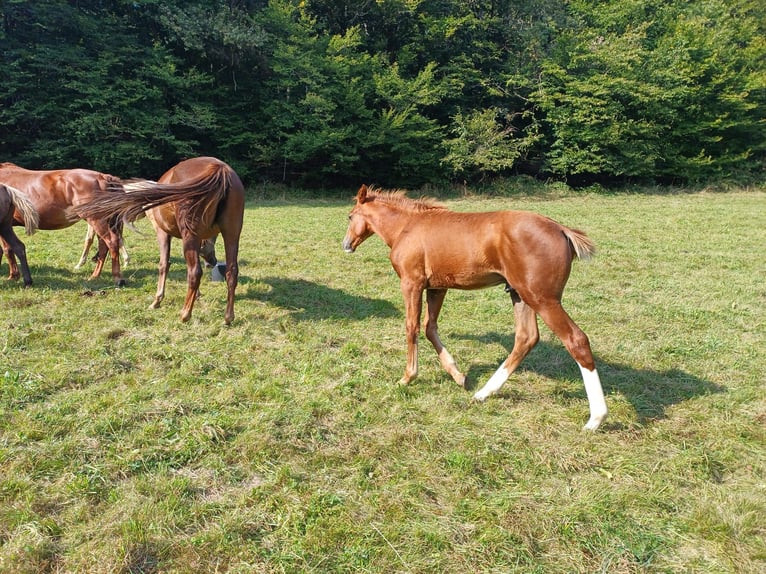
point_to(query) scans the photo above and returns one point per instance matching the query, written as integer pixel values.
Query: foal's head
(359, 227)
(359, 220)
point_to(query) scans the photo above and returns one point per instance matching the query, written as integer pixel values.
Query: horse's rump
(24, 207)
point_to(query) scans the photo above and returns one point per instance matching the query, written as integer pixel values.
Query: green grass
(130, 442)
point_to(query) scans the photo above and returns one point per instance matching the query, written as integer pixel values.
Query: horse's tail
(582, 245)
(25, 207)
(129, 200)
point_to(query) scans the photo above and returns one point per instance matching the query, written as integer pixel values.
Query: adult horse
(57, 194)
(434, 249)
(14, 201)
(194, 201)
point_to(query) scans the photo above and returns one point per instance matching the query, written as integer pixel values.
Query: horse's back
(476, 250)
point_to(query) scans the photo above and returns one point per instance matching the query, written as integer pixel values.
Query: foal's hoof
(460, 380)
(593, 424)
(121, 283)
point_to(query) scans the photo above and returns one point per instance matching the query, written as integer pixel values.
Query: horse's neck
(390, 222)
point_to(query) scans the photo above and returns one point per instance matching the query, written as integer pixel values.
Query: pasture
(131, 442)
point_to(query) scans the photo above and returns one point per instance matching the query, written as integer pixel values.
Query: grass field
(132, 443)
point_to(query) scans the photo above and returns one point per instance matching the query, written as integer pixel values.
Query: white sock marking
(595, 393)
(493, 384)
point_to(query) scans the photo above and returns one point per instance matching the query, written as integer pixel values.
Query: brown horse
(14, 201)
(194, 200)
(56, 196)
(90, 236)
(434, 249)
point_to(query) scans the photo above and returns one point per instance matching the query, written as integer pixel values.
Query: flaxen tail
(25, 207)
(582, 245)
(199, 194)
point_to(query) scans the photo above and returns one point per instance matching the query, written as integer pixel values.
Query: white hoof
(594, 423)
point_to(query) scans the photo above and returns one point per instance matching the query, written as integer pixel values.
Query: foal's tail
(25, 207)
(582, 245)
(128, 201)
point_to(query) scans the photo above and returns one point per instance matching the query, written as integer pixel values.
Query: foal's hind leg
(526, 337)
(576, 342)
(434, 300)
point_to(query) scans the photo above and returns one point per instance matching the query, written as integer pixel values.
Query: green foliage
(656, 90)
(402, 92)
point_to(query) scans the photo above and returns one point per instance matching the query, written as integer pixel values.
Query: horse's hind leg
(108, 241)
(576, 342)
(525, 338)
(13, 268)
(13, 245)
(231, 246)
(434, 301)
(193, 275)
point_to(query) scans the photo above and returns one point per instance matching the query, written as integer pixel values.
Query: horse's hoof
(593, 424)
(480, 397)
(460, 380)
(121, 283)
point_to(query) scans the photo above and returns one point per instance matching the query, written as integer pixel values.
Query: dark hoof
(121, 283)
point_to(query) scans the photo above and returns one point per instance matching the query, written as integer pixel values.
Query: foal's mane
(398, 198)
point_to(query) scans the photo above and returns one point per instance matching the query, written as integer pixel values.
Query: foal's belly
(464, 280)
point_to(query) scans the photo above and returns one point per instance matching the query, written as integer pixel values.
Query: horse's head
(358, 223)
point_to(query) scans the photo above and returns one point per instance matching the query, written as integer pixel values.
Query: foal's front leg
(413, 302)
(434, 301)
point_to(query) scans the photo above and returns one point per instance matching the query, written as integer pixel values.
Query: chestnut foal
(434, 249)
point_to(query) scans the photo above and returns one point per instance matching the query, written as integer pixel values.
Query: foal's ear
(361, 195)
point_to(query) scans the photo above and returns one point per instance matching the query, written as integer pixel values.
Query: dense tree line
(399, 92)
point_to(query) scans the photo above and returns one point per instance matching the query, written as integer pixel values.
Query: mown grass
(130, 442)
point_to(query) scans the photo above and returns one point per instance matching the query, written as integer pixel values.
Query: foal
(434, 249)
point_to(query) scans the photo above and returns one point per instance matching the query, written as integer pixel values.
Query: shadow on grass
(649, 392)
(60, 278)
(312, 301)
